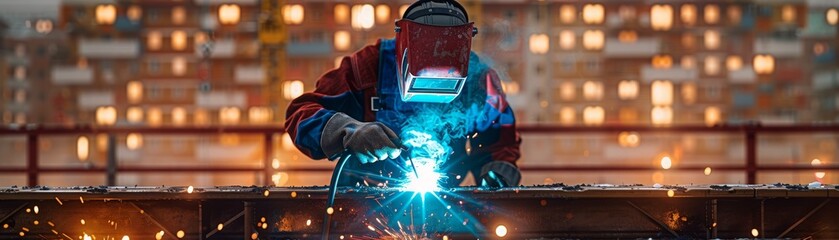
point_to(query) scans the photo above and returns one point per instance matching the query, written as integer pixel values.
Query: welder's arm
(337, 91)
(503, 138)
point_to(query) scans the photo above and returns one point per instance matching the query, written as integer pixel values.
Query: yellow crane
(272, 36)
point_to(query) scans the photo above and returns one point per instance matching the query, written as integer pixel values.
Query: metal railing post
(112, 160)
(751, 154)
(32, 159)
(268, 150)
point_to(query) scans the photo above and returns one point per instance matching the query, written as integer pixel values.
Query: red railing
(750, 131)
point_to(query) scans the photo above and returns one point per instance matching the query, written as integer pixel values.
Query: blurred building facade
(592, 63)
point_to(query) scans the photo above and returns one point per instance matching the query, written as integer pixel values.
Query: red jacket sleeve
(339, 90)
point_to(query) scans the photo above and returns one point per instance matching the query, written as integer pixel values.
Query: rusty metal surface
(552, 211)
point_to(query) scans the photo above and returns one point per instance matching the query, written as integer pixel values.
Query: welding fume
(418, 111)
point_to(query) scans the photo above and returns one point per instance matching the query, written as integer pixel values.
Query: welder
(359, 107)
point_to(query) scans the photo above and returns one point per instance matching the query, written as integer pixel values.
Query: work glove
(369, 142)
(498, 174)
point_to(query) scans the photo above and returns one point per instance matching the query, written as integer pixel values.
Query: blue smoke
(430, 128)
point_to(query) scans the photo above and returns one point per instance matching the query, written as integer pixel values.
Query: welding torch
(333, 183)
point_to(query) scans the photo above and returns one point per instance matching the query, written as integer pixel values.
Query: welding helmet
(433, 45)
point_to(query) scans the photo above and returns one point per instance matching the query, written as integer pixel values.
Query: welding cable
(333, 188)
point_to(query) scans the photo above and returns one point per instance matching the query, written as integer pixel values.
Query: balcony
(249, 74)
(71, 75)
(96, 48)
(221, 99)
(644, 47)
(676, 74)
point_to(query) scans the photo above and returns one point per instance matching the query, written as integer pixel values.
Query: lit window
(134, 90)
(567, 91)
(733, 63)
(594, 115)
(662, 115)
(293, 14)
(292, 89)
(43, 26)
(106, 14)
(342, 13)
(712, 39)
(689, 14)
(593, 39)
(688, 93)
(662, 61)
(363, 16)
(832, 16)
(712, 115)
(134, 141)
(201, 117)
(764, 64)
(106, 115)
(628, 89)
(567, 39)
(661, 17)
(629, 139)
(382, 13)
(567, 14)
(593, 90)
(712, 65)
(688, 40)
(179, 66)
(229, 14)
(154, 40)
(178, 15)
(539, 43)
(83, 148)
(259, 115)
(200, 38)
(688, 62)
(567, 115)
(154, 116)
(342, 40)
(735, 14)
(229, 115)
(134, 114)
(627, 36)
(134, 13)
(178, 116)
(593, 13)
(662, 93)
(712, 14)
(20, 72)
(788, 13)
(178, 40)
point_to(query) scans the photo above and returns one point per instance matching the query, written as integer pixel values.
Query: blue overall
(396, 114)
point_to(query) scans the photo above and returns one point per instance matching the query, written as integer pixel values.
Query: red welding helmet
(433, 44)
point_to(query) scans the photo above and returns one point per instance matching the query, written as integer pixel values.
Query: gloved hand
(368, 141)
(498, 174)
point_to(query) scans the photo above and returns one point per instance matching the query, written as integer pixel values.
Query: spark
(126, 237)
(330, 210)
(429, 177)
(671, 193)
(59, 201)
(220, 226)
(308, 222)
(266, 193)
(36, 209)
(181, 233)
(159, 235)
(501, 231)
(293, 194)
(755, 233)
(707, 171)
(666, 163)
(190, 189)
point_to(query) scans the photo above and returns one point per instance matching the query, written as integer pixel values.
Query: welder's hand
(498, 174)
(368, 141)
(371, 142)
